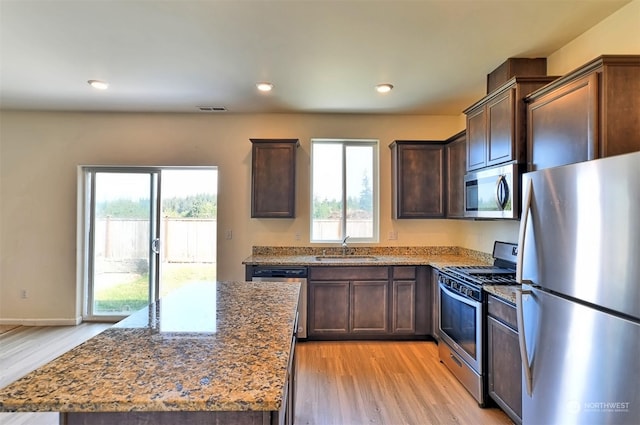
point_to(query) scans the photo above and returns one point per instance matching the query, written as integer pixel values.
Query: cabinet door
(403, 301)
(456, 167)
(328, 307)
(501, 126)
(435, 305)
(505, 374)
(418, 179)
(369, 307)
(476, 139)
(287, 412)
(423, 308)
(562, 125)
(273, 176)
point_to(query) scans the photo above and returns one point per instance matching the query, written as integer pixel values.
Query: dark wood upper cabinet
(496, 125)
(418, 179)
(273, 178)
(456, 157)
(514, 67)
(589, 113)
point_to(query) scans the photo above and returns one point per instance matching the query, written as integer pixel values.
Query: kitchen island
(207, 353)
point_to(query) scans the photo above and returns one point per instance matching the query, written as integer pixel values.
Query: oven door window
(458, 321)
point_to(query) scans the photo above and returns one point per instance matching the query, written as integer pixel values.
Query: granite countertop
(209, 346)
(505, 292)
(435, 256)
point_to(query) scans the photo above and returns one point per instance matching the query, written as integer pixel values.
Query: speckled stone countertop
(436, 256)
(506, 292)
(215, 347)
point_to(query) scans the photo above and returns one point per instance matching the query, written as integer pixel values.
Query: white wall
(39, 153)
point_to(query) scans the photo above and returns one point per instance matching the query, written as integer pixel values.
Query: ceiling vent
(212, 108)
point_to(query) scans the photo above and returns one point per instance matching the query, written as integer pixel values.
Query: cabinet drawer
(348, 273)
(408, 273)
(502, 311)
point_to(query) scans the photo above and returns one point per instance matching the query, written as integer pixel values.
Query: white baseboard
(42, 322)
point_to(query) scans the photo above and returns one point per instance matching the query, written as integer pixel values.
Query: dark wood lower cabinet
(369, 306)
(504, 365)
(367, 302)
(435, 304)
(404, 306)
(328, 308)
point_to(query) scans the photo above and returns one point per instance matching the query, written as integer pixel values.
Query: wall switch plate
(297, 236)
(228, 235)
(23, 293)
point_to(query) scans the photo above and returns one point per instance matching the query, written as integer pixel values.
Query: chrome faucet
(344, 245)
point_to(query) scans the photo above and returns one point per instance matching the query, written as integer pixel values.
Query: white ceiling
(322, 56)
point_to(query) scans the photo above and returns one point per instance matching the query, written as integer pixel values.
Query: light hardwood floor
(25, 348)
(342, 383)
(382, 383)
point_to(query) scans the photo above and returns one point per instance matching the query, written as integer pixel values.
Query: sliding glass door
(146, 232)
(123, 240)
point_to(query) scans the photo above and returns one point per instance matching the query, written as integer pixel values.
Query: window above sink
(344, 190)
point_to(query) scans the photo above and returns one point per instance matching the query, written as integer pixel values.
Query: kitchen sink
(340, 258)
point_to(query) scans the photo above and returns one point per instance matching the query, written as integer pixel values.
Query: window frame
(375, 189)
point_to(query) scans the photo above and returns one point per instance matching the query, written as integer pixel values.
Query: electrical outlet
(393, 235)
(297, 236)
(228, 235)
(23, 293)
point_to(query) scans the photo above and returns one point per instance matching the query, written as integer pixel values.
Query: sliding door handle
(155, 246)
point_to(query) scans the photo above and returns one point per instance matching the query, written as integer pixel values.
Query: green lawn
(132, 294)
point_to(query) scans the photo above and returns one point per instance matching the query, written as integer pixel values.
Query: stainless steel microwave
(493, 193)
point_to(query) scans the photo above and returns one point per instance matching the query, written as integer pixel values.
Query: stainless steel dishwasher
(287, 274)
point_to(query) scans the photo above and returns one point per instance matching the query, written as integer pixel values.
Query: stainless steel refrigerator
(579, 307)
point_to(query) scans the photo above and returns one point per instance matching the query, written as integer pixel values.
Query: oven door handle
(469, 301)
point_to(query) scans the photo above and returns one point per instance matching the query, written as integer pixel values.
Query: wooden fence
(184, 240)
(329, 229)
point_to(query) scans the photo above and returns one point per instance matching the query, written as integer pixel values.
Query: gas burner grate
(483, 275)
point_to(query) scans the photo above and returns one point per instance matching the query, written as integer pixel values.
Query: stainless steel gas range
(462, 315)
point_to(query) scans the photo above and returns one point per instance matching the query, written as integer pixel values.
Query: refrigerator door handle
(524, 356)
(526, 208)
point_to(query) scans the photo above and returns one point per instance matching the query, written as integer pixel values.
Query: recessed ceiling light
(97, 84)
(384, 88)
(264, 86)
